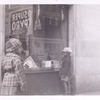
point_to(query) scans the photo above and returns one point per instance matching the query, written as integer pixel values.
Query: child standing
(65, 70)
(12, 68)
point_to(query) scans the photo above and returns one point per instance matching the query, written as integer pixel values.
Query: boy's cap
(67, 49)
(12, 44)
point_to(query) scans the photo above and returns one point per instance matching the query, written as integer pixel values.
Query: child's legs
(69, 86)
(65, 86)
(66, 83)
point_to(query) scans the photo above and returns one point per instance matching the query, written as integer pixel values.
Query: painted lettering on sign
(21, 19)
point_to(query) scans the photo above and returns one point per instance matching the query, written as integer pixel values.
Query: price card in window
(48, 64)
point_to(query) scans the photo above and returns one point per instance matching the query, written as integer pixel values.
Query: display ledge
(44, 70)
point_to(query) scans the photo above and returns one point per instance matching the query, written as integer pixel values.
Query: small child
(65, 70)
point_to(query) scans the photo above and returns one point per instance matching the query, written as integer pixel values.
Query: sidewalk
(90, 93)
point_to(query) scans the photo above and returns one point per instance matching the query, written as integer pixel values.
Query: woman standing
(12, 68)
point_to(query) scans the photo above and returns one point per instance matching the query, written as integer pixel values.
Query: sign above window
(21, 19)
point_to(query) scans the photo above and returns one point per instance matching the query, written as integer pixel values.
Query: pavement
(90, 93)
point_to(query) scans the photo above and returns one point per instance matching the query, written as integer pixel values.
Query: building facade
(76, 26)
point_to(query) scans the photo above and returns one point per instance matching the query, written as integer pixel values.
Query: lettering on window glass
(21, 19)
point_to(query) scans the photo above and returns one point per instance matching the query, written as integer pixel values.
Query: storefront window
(44, 43)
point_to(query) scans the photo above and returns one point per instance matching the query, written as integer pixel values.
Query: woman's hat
(12, 44)
(67, 49)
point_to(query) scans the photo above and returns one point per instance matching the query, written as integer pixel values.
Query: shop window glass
(41, 44)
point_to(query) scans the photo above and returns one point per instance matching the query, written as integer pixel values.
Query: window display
(40, 29)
